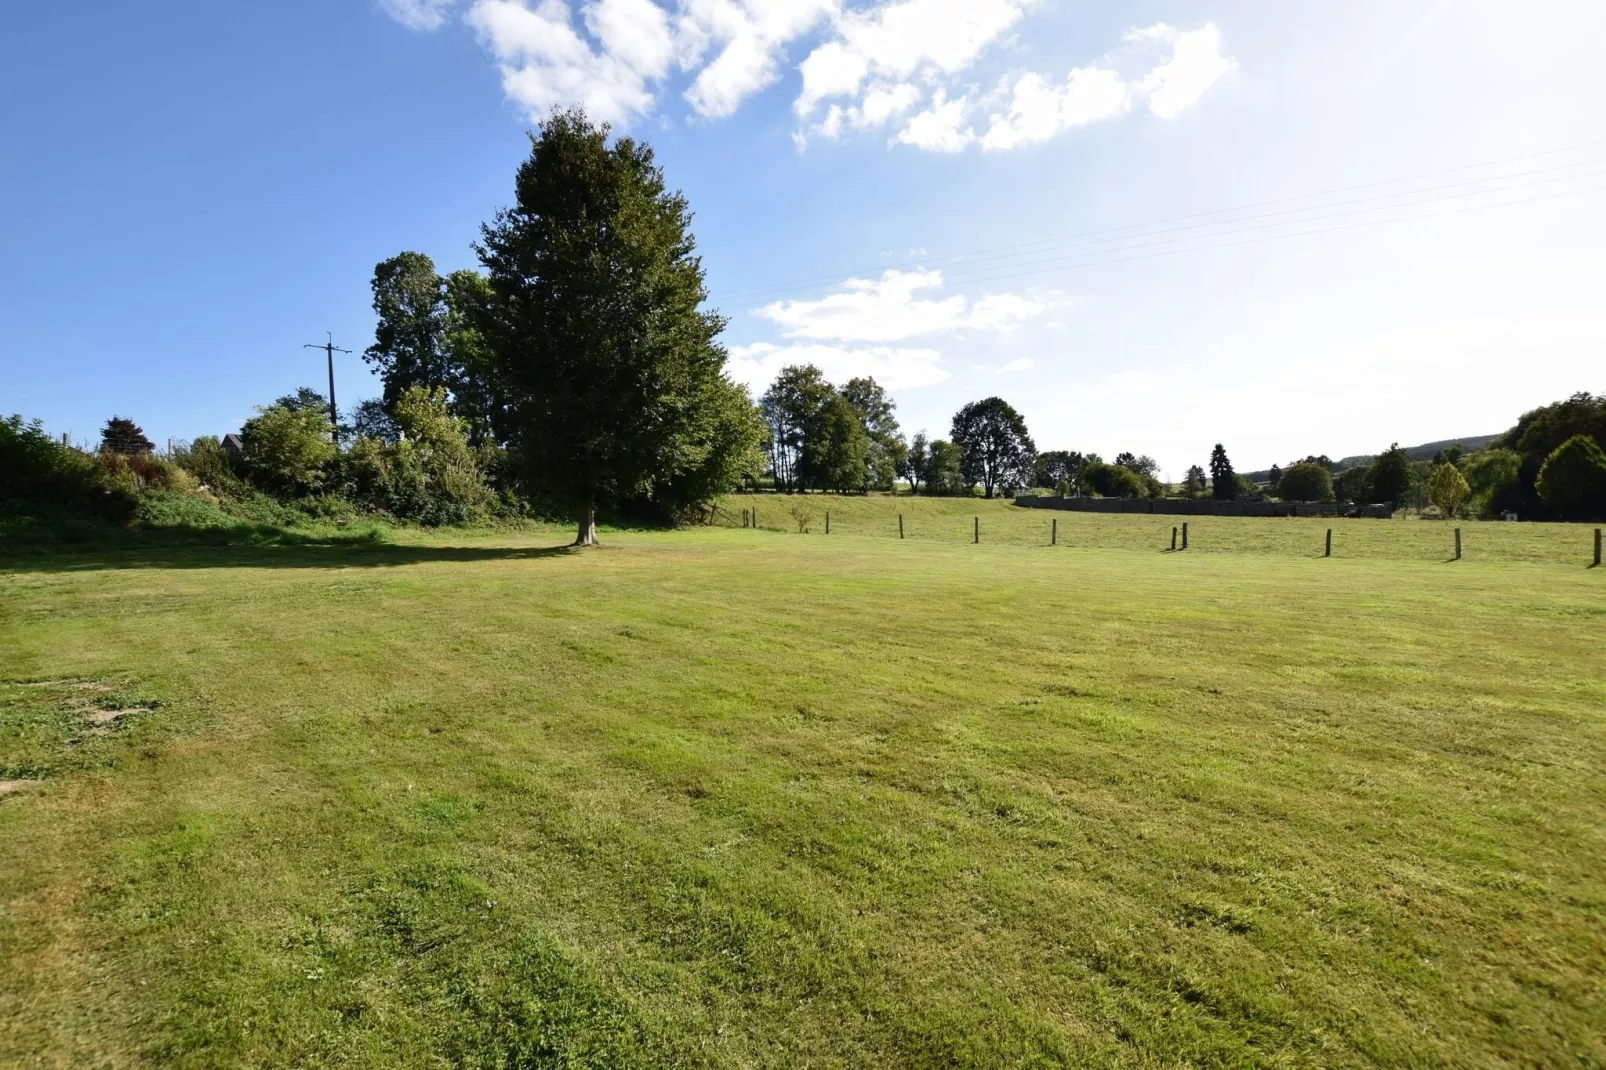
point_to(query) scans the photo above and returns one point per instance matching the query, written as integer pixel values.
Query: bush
(210, 464)
(35, 467)
(1494, 478)
(288, 451)
(430, 475)
(1573, 479)
(1305, 482)
(1447, 489)
(1114, 481)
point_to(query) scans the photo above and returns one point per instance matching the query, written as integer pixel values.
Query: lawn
(742, 798)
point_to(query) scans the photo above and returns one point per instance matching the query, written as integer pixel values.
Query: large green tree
(995, 449)
(915, 462)
(1223, 480)
(1542, 431)
(410, 337)
(885, 447)
(836, 448)
(792, 407)
(1572, 480)
(607, 371)
(1305, 482)
(124, 436)
(1390, 478)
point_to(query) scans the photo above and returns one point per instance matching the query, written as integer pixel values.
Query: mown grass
(950, 520)
(732, 798)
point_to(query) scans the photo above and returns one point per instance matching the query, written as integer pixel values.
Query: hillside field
(735, 798)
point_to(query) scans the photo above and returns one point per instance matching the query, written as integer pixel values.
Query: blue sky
(961, 197)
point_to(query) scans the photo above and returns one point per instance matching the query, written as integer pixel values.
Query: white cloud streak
(872, 69)
(888, 310)
(756, 366)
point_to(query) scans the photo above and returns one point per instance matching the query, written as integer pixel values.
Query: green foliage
(1054, 468)
(1573, 479)
(1305, 482)
(1389, 479)
(210, 464)
(792, 407)
(1494, 478)
(603, 362)
(122, 435)
(288, 451)
(410, 337)
(1447, 489)
(1194, 485)
(943, 475)
(725, 450)
(1541, 432)
(995, 449)
(1223, 480)
(885, 449)
(1115, 481)
(835, 447)
(305, 397)
(1351, 485)
(916, 461)
(1143, 466)
(36, 467)
(430, 474)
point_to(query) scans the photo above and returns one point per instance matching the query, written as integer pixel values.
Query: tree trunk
(588, 525)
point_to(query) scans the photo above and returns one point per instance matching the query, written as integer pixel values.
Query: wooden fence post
(1054, 533)
(900, 525)
(1329, 552)
(828, 521)
(1173, 539)
(1458, 544)
(1184, 536)
(1597, 548)
(976, 539)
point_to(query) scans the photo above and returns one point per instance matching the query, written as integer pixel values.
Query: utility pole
(331, 349)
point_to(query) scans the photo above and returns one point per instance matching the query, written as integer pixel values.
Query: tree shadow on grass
(178, 548)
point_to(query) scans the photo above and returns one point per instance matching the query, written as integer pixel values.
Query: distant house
(236, 447)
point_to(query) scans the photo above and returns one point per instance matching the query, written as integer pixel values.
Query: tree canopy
(1572, 480)
(1305, 482)
(1447, 488)
(1223, 480)
(608, 376)
(1390, 477)
(995, 449)
(123, 436)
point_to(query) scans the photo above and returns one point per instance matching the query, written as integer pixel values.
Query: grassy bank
(734, 798)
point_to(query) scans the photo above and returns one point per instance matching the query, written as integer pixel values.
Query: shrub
(210, 464)
(1447, 489)
(1494, 477)
(1573, 479)
(288, 452)
(1305, 482)
(35, 467)
(1114, 481)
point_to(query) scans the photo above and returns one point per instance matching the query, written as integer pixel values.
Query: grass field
(739, 798)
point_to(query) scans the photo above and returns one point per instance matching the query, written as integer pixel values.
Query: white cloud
(1195, 65)
(753, 32)
(420, 15)
(1039, 111)
(898, 40)
(888, 310)
(615, 58)
(937, 129)
(756, 366)
(545, 62)
(1022, 365)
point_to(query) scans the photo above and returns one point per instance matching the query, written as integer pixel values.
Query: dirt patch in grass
(8, 787)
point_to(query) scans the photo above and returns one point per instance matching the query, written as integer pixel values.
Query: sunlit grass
(735, 798)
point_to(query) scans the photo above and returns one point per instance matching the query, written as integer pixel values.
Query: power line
(1294, 234)
(811, 282)
(962, 276)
